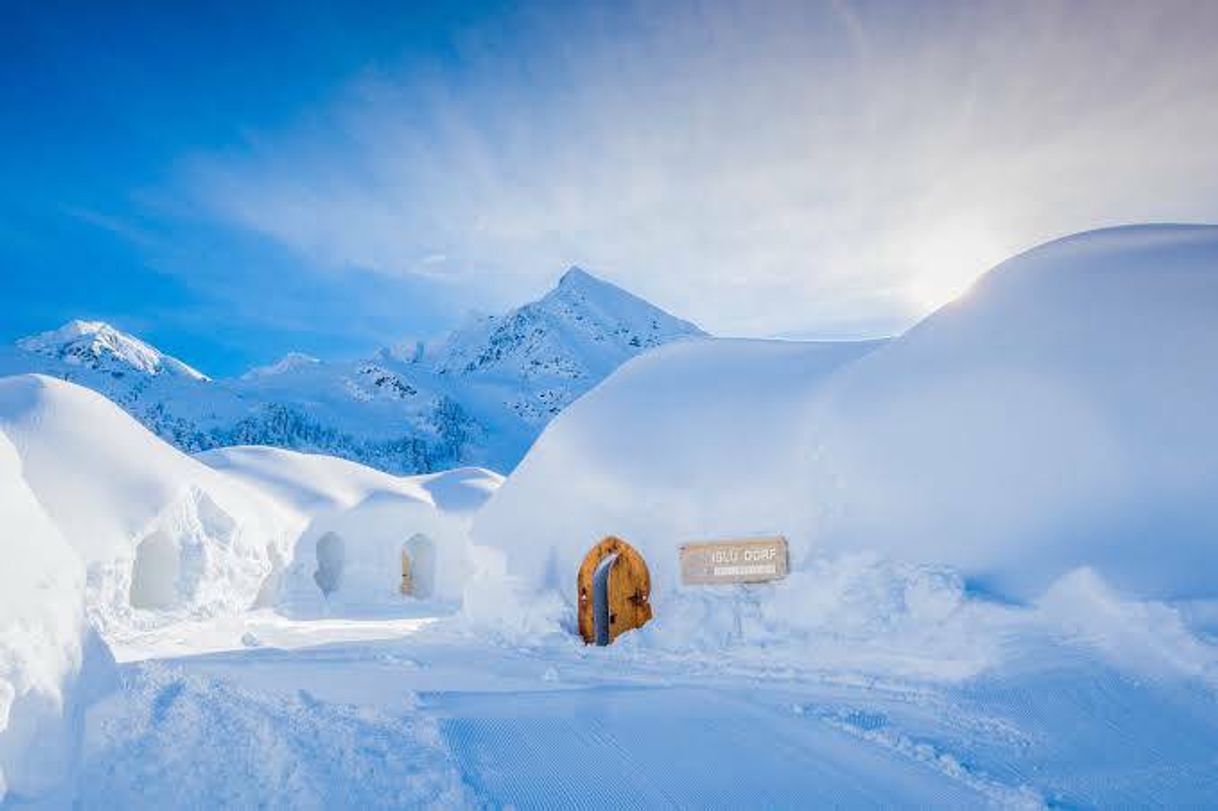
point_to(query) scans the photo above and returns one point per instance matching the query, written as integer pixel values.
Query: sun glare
(945, 261)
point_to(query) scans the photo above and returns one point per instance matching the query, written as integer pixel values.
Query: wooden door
(628, 589)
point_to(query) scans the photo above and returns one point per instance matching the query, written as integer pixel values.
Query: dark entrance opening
(600, 598)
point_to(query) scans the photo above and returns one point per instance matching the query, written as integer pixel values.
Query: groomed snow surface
(1002, 531)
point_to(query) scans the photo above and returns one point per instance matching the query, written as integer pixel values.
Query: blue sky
(100, 106)
(232, 183)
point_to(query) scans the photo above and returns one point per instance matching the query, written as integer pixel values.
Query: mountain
(98, 346)
(479, 395)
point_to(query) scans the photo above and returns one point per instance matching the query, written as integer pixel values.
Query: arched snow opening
(154, 573)
(331, 554)
(419, 566)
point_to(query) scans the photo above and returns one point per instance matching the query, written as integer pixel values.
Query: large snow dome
(1059, 414)
(690, 441)
(368, 538)
(160, 534)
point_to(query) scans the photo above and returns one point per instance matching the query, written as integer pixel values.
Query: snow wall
(1059, 415)
(50, 663)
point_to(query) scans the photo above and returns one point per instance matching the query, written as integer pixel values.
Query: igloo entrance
(418, 566)
(331, 557)
(154, 573)
(614, 589)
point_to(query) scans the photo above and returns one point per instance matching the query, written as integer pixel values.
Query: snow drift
(1060, 415)
(689, 441)
(356, 525)
(43, 641)
(161, 535)
(1057, 416)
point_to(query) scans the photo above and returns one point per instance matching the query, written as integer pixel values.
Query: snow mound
(1057, 417)
(687, 442)
(172, 739)
(310, 483)
(43, 641)
(161, 535)
(358, 524)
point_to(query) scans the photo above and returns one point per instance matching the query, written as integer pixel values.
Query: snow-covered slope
(477, 396)
(43, 639)
(157, 531)
(1059, 415)
(547, 352)
(312, 483)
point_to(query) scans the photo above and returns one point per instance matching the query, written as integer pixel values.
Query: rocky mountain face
(479, 395)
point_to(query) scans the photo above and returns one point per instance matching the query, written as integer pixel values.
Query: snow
(583, 329)
(289, 362)
(431, 715)
(159, 533)
(688, 442)
(1056, 417)
(309, 483)
(356, 523)
(97, 345)
(476, 396)
(1000, 526)
(178, 741)
(44, 642)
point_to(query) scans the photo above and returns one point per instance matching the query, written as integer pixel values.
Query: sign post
(744, 560)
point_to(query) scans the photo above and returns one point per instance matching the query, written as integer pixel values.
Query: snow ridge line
(1001, 794)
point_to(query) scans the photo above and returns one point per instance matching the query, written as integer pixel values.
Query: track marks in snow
(673, 748)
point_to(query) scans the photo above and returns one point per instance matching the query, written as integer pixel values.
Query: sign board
(744, 560)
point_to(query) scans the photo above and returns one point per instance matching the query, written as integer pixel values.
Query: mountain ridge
(477, 395)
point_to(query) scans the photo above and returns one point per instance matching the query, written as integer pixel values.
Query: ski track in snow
(438, 718)
(682, 747)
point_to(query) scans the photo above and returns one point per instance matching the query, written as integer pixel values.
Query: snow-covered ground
(311, 714)
(1001, 527)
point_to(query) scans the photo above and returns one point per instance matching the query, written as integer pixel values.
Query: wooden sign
(746, 560)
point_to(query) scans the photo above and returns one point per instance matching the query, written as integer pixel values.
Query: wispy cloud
(761, 168)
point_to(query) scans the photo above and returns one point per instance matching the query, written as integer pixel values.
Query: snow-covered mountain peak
(581, 329)
(289, 362)
(97, 345)
(578, 285)
(577, 277)
(477, 396)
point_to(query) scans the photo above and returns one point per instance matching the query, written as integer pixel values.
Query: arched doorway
(614, 588)
(331, 554)
(419, 566)
(154, 573)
